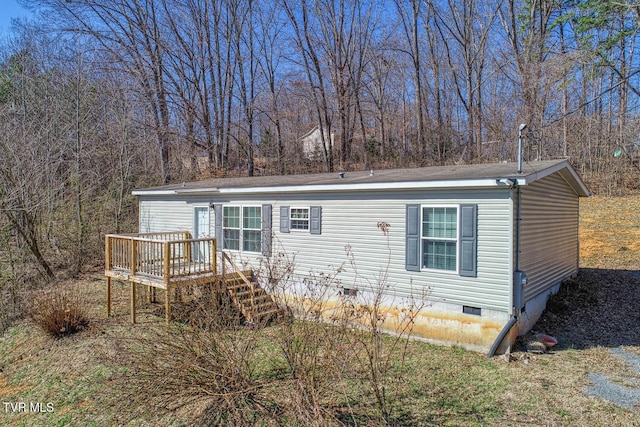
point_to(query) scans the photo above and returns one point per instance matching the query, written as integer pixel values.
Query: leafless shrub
(209, 364)
(59, 311)
(277, 269)
(381, 356)
(315, 353)
(322, 357)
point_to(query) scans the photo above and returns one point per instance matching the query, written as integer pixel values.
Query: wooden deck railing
(160, 255)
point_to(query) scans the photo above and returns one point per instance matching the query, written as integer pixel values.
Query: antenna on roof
(520, 129)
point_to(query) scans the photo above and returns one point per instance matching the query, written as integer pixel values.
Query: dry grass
(610, 233)
(87, 376)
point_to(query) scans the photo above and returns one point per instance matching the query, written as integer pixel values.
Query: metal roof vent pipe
(520, 129)
(340, 175)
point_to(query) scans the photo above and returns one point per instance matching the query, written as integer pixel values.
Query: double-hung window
(242, 228)
(440, 238)
(231, 227)
(299, 218)
(251, 228)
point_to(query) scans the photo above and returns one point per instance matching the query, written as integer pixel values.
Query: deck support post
(152, 293)
(108, 296)
(166, 252)
(133, 302)
(167, 308)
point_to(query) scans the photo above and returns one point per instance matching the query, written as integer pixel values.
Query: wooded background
(98, 97)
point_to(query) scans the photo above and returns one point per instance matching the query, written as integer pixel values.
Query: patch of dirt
(6, 388)
(597, 308)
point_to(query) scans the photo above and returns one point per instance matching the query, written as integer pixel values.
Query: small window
(440, 238)
(299, 218)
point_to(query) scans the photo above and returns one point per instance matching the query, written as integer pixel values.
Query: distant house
(490, 243)
(312, 142)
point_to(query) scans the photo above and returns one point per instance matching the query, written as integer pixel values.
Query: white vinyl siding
(351, 219)
(549, 234)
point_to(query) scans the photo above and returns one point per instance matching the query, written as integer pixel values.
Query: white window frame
(292, 219)
(423, 238)
(225, 228)
(241, 228)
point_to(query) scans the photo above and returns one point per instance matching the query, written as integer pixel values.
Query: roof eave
(172, 192)
(408, 185)
(567, 172)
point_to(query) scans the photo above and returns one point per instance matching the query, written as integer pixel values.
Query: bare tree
(130, 31)
(409, 12)
(31, 153)
(270, 29)
(242, 18)
(464, 29)
(528, 27)
(306, 40)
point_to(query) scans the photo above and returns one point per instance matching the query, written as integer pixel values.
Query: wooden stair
(255, 304)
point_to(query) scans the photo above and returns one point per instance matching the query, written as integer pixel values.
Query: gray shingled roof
(426, 174)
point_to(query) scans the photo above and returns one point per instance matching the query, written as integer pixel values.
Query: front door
(200, 231)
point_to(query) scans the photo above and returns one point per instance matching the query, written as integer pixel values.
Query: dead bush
(58, 311)
(205, 367)
(380, 356)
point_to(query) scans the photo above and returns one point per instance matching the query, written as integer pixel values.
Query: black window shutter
(468, 240)
(265, 239)
(315, 219)
(284, 219)
(217, 209)
(412, 249)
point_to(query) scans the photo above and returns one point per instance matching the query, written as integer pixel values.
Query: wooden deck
(159, 260)
(170, 260)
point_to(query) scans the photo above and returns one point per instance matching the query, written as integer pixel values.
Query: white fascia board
(153, 192)
(198, 191)
(174, 192)
(531, 178)
(471, 183)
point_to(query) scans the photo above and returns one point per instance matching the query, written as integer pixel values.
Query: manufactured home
(486, 244)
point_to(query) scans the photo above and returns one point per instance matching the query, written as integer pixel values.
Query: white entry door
(201, 251)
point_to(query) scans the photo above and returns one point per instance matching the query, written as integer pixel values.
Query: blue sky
(10, 9)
